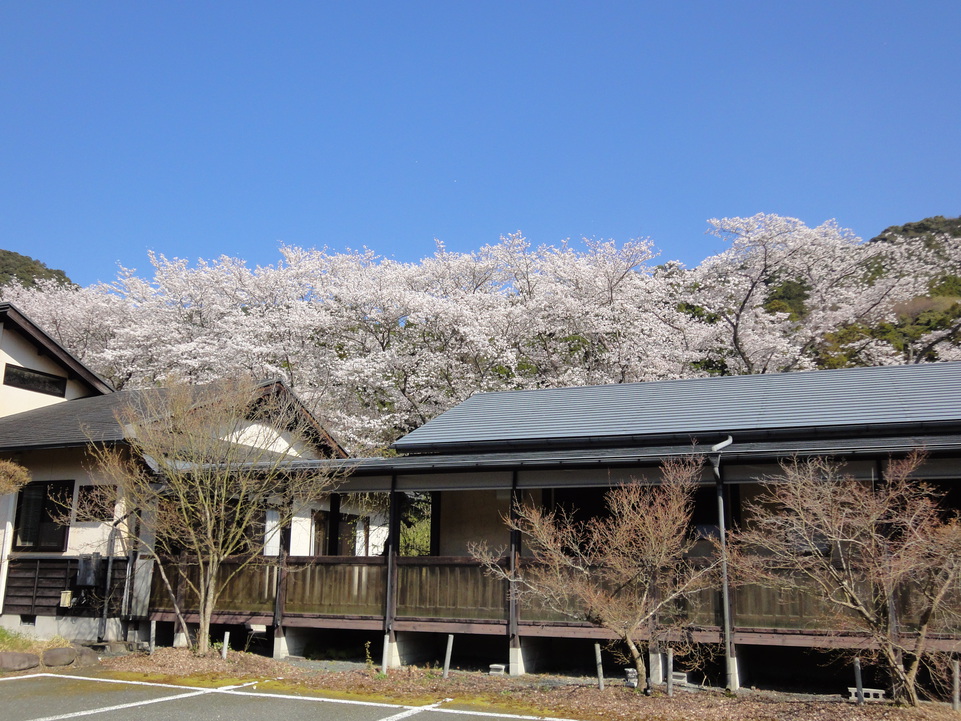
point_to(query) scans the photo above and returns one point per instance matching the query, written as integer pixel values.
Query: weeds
(13, 641)
(368, 659)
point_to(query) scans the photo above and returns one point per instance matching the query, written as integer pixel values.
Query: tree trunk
(637, 655)
(903, 688)
(208, 598)
(173, 598)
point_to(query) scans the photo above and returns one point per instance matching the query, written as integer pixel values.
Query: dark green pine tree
(26, 270)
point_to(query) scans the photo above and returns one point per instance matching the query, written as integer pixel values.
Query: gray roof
(65, 424)
(828, 401)
(78, 422)
(755, 451)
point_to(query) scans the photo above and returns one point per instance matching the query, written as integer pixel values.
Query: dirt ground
(532, 694)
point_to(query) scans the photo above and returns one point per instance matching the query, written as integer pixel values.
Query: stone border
(74, 656)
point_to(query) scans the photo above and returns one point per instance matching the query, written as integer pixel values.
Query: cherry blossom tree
(377, 347)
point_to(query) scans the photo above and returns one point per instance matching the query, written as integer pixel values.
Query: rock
(17, 661)
(86, 657)
(59, 656)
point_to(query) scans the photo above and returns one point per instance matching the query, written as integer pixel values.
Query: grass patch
(13, 641)
(207, 680)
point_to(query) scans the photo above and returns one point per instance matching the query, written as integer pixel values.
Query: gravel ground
(532, 694)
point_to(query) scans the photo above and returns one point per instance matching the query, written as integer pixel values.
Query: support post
(280, 588)
(450, 647)
(955, 685)
(333, 525)
(390, 603)
(858, 685)
(516, 666)
(670, 671)
(223, 650)
(600, 666)
(435, 511)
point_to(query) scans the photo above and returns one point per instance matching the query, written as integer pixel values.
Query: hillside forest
(377, 347)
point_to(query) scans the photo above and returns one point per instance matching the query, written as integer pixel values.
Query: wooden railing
(334, 585)
(449, 587)
(458, 589)
(341, 586)
(761, 607)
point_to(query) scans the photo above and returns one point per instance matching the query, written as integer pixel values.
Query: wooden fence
(34, 587)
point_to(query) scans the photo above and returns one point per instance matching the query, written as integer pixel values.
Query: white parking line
(118, 707)
(411, 710)
(407, 711)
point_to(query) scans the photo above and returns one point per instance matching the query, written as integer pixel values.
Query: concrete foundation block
(391, 655)
(517, 665)
(655, 665)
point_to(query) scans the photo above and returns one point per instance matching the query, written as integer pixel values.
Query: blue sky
(197, 129)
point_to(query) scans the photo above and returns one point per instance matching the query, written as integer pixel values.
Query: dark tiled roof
(827, 401)
(77, 422)
(755, 451)
(64, 424)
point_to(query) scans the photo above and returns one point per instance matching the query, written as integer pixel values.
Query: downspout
(725, 586)
(111, 543)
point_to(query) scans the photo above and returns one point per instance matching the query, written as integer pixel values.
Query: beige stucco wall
(67, 465)
(15, 349)
(468, 516)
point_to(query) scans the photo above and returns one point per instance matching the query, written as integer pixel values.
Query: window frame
(46, 510)
(47, 383)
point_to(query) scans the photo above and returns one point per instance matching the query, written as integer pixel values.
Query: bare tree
(13, 477)
(629, 572)
(884, 558)
(207, 476)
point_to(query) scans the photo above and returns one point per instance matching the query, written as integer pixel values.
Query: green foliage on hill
(27, 270)
(921, 321)
(928, 230)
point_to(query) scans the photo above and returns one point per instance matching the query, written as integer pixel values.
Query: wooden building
(567, 447)
(343, 570)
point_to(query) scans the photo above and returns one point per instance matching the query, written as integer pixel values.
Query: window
(39, 508)
(95, 504)
(335, 534)
(31, 380)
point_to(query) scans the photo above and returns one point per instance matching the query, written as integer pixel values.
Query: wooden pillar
(333, 525)
(515, 551)
(435, 511)
(517, 667)
(391, 657)
(280, 588)
(393, 551)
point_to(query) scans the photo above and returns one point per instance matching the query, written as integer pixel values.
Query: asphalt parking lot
(54, 696)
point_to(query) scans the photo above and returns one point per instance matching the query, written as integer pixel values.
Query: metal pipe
(111, 540)
(725, 592)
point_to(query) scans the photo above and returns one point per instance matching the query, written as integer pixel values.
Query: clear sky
(200, 128)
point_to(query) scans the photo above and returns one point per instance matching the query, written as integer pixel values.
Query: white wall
(17, 350)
